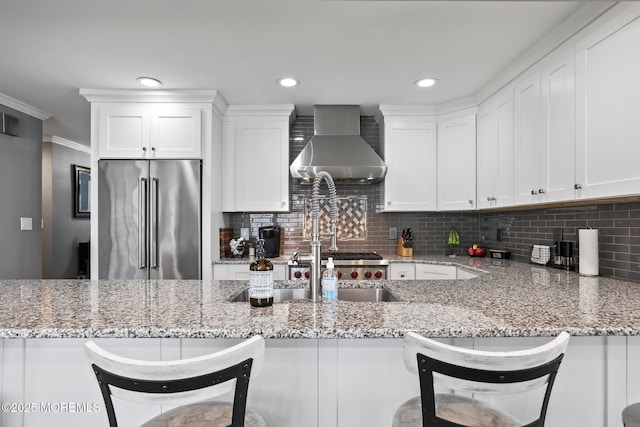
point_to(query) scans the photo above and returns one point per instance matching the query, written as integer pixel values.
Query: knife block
(401, 250)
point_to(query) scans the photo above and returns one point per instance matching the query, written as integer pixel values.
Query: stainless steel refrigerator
(150, 219)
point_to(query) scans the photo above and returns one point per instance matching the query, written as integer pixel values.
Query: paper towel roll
(589, 260)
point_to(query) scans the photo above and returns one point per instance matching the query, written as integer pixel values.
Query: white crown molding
(276, 110)
(66, 143)
(23, 108)
(141, 95)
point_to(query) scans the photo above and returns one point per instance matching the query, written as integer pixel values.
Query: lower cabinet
(402, 271)
(241, 272)
(305, 382)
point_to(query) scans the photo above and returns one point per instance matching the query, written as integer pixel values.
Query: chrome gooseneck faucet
(314, 258)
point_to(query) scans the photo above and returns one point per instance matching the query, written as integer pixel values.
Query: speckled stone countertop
(506, 299)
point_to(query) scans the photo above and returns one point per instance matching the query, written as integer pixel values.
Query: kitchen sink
(344, 294)
(279, 295)
(366, 295)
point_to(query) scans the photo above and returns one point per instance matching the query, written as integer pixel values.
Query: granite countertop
(506, 299)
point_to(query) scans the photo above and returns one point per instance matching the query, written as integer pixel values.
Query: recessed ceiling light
(149, 82)
(288, 82)
(426, 82)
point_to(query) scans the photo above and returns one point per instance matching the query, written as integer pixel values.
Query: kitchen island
(323, 364)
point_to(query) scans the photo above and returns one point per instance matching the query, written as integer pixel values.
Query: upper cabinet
(544, 137)
(255, 152)
(495, 151)
(457, 163)
(607, 121)
(149, 130)
(410, 151)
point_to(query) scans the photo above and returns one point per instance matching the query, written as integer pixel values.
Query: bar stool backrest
(484, 372)
(177, 382)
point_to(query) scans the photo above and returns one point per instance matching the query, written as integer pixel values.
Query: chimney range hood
(337, 148)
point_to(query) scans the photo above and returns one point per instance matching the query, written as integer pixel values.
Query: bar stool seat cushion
(631, 415)
(454, 408)
(209, 414)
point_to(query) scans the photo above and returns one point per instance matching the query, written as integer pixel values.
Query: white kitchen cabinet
(456, 167)
(544, 135)
(495, 151)
(149, 131)
(256, 158)
(402, 271)
(607, 93)
(410, 152)
(557, 86)
(241, 272)
(435, 272)
(528, 147)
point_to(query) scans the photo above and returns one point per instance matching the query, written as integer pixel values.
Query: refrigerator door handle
(142, 223)
(153, 218)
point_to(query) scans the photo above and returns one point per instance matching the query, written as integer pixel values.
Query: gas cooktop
(348, 256)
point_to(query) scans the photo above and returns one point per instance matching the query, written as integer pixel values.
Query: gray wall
(20, 196)
(62, 231)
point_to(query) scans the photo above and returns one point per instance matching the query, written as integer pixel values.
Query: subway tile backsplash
(618, 223)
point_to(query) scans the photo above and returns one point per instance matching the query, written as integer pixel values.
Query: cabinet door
(495, 151)
(457, 164)
(150, 131)
(558, 125)
(176, 132)
(124, 131)
(402, 271)
(528, 146)
(608, 89)
(410, 152)
(256, 164)
(262, 169)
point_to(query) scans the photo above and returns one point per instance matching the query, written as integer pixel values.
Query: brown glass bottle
(261, 279)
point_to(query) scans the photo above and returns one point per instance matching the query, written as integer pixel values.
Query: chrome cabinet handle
(577, 187)
(541, 191)
(534, 192)
(142, 223)
(153, 226)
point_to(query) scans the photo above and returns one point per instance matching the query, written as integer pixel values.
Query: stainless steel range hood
(338, 148)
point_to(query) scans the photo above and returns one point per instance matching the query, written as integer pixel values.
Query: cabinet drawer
(402, 271)
(435, 272)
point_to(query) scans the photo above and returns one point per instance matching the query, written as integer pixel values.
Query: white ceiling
(343, 52)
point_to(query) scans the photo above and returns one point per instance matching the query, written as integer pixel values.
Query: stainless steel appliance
(338, 148)
(150, 219)
(350, 266)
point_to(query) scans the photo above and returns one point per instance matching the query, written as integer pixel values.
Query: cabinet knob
(541, 191)
(489, 199)
(401, 274)
(144, 148)
(534, 192)
(494, 198)
(284, 203)
(577, 187)
(153, 148)
(389, 203)
(470, 201)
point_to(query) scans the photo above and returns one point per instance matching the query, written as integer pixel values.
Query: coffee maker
(271, 237)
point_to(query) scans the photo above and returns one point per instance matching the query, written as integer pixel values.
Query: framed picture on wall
(82, 191)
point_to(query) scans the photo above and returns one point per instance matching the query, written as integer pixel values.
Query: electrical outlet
(26, 224)
(393, 233)
(244, 233)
